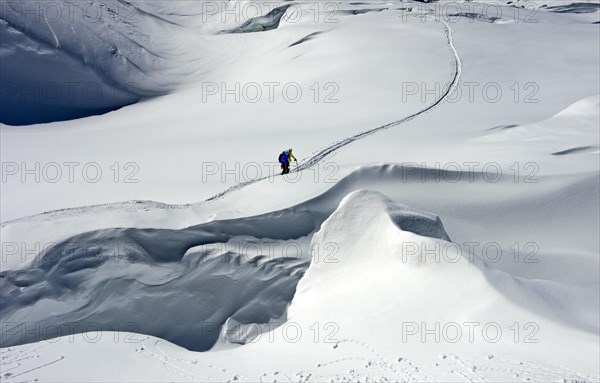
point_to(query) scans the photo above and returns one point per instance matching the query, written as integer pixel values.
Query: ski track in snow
(307, 163)
(13, 368)
(321, 154)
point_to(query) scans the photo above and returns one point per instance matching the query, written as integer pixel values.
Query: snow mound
(413, 273)
(205, 272)
(371, 213)
(377, 237)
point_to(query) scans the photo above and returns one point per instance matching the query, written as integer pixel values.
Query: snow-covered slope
(441, 225)
(66, 60)
(409, 50)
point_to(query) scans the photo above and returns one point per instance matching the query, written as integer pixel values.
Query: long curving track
(321, 154)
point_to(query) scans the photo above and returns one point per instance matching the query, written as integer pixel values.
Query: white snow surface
(441, 224)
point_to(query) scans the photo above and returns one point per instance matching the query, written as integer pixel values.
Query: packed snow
(441, 223)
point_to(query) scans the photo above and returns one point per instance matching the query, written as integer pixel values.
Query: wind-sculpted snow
(576, 8)
(405, 268)
(114, 277)
(579, 149)
(362, 11)
(387, 249)
(145, 276)
(476, 16)
(224, 271)
(305, 39)
(262, 23)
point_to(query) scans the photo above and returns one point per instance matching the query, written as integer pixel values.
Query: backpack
(282, 158)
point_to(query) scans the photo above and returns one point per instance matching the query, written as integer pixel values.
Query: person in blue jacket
(284, 160)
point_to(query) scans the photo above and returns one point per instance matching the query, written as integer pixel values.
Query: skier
(284, 160)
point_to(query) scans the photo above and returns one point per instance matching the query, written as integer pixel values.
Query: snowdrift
(103, 274)
(97, 277)
(373, 231)
(395, 285)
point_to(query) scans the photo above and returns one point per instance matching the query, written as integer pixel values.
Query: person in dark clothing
(284, 160)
